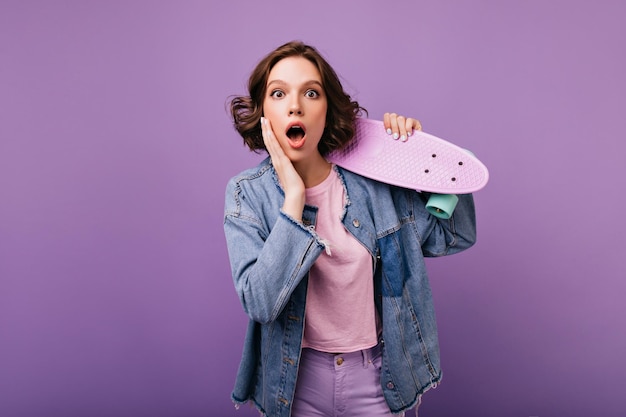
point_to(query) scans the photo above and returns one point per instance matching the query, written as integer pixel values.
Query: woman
(329, 265)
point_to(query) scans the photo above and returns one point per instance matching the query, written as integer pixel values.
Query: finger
(264, 134)
(402, 130)
(271, 144)
(393, 125)
(268, 137)
(416, 124)
(412, 125)
(387, 123)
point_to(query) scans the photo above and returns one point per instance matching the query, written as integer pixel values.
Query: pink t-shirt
(340, 314)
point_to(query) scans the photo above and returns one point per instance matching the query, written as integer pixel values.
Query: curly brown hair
(342, 111)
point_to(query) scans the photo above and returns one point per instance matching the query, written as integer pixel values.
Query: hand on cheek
(290, 180)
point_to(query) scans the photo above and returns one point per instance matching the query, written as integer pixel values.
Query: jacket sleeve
(454, 235)
(267, 261)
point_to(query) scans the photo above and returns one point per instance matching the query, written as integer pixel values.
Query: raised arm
(268, 258)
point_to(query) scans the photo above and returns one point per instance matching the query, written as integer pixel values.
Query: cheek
(323, 111)
(270, 109)
(323, 115)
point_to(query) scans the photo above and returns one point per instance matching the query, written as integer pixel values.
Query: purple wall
(115, 147)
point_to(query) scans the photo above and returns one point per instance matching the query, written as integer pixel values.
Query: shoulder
(262, 172)
(252, 187)
(357, 182)
(382, 197)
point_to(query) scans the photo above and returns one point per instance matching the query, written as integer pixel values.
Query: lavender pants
(340, 385)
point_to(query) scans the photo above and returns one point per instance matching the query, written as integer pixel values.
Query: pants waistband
(344, 360)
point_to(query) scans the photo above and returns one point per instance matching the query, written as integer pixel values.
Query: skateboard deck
(424, 162)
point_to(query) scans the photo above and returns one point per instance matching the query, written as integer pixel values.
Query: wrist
(294, 206)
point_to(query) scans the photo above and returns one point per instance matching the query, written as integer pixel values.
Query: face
(295, 104)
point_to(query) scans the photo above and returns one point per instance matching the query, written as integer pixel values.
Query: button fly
(339, 361)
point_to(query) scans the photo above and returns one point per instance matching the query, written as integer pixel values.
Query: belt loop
(367, 357)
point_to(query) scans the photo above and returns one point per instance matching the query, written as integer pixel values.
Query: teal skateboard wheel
(442, 205)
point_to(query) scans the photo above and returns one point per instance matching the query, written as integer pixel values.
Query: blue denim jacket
(271, 254)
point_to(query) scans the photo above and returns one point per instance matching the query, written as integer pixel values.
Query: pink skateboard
(424, 163)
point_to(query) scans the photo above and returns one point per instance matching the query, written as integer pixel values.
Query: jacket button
(356, 223)
(390, 385)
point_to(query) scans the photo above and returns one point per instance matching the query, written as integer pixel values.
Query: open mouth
(296, 134)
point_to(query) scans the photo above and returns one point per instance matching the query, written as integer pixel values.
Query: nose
(295, 108)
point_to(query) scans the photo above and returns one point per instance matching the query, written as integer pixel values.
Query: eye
(311, 94)
(277, 94)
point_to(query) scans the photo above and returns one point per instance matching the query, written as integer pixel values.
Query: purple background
(115, 293)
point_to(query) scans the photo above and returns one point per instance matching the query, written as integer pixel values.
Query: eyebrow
(306, 83)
